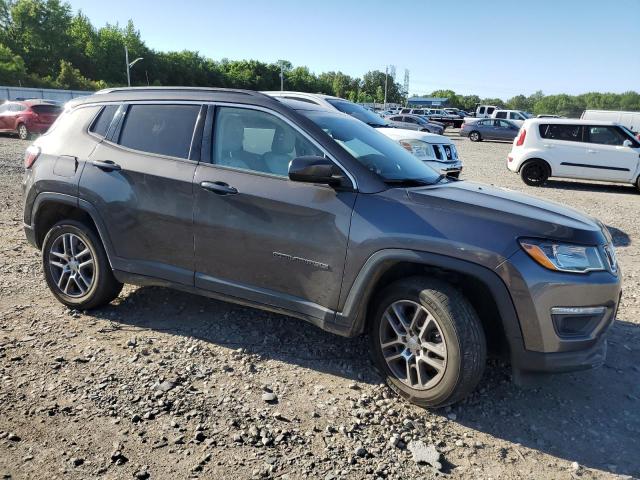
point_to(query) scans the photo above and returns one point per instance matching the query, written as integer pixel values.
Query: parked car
(335, 103)
(484, 111)
(436, 115)
(416, 122)
(437, 151)
(631, 120)
(28, 117)
(584, 149)
(516, 116)
(489, 129)
(294, 208)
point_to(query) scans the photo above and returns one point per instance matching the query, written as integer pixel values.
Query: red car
(27, 117)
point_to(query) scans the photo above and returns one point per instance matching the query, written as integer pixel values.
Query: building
(427, 102)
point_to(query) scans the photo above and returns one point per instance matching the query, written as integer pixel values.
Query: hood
(403, 133)
(491, 211)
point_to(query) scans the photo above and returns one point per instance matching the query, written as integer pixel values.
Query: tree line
(43, 43)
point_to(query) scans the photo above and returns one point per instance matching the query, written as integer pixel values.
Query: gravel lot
(162, 384)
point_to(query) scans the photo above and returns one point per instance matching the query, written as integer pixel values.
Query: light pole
(386, 77)
(129, 65)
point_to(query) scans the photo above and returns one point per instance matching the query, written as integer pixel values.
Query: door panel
(147, 209)
(284, 241)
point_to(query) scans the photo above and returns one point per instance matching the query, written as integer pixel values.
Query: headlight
(563, 257)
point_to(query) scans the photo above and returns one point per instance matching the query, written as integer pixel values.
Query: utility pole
(281, 78)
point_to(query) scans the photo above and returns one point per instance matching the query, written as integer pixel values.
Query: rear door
(564, 149)
(258, 235)
(140, 179)
(606, 156)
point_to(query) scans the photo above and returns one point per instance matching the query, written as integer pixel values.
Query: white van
(631, 120)
(590, 150)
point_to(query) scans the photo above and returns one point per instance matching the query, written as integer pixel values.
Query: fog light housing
(576, 321)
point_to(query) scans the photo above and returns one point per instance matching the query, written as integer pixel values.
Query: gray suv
(311, 213)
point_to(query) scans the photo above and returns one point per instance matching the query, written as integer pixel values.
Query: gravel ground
(162, 384)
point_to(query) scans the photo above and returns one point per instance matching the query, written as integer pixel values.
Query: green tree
(12, 68)
(71, 78)
(38, 33)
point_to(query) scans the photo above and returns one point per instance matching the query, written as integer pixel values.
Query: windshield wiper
(377, 125)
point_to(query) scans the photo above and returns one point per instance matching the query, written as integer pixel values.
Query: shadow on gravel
(585, 186)
(589, 417)
(269, 335)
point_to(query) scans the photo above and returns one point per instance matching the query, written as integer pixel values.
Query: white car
(589, 150)
(437, 151)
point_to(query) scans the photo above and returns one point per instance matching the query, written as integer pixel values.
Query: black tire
(102, 288)
(461, 332)
(638, 184)
(23, 132)
(475, 136)
(535, 173)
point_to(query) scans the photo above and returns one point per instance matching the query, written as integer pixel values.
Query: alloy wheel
(72, 265)
(413, 345)
(23, 132)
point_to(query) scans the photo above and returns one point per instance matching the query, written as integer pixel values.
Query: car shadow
(589, 417)
(586, 186)
(267, 334)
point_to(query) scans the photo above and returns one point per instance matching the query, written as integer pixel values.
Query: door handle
(219, 188)
(547, 146)
(591, 151)
(107, 165)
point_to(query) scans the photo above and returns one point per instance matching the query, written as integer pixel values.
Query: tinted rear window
(101, 124)
(47, 109)
(161, 129)
(569, 133)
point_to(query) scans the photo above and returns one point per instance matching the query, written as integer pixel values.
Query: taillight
(521, 137)
(30, 156)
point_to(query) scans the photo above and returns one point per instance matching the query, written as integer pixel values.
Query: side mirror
(313, 169)
(627, 143)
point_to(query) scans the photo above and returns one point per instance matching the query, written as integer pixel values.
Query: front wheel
(428, 341)
(475, 136)
(23, 132)
(76, 267)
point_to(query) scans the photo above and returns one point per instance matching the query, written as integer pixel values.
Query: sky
(492, 48)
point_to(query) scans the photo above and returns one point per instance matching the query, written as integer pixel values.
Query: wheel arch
(49, 208)
(536, 159)
(482, 286)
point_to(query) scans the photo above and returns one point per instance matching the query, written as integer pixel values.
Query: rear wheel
(428, 341)
(475, 136)
(23, 132)
(638, 183)
(534, 173)
(76, 267)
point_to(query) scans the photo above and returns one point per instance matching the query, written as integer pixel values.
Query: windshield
(359, 112)
(378, 153)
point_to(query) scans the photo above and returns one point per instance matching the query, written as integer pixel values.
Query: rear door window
(47, 109)
(160, 129)
(605, 135)
(501, 115)
(568, 133)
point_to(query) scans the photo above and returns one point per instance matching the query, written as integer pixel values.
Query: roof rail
(174, 88)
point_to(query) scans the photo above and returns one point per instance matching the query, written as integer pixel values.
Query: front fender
(352, 318)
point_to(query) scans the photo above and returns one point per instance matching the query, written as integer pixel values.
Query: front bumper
(535, 292)
(446, 168)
